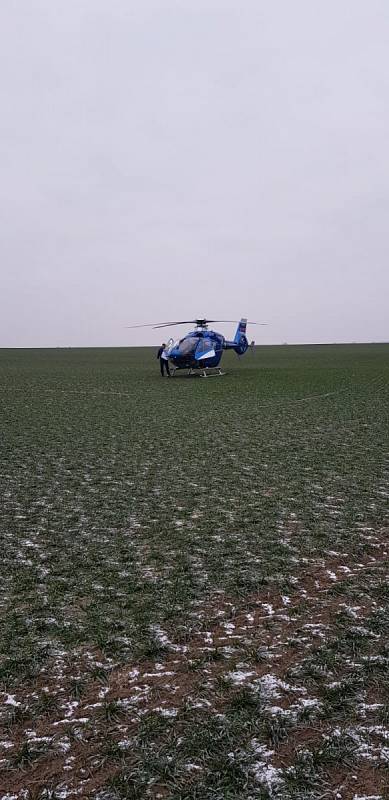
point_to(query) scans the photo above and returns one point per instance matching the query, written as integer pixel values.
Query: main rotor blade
(249, 322)
(146, 325)
(189, 322)
(161, 324)
(182, 322)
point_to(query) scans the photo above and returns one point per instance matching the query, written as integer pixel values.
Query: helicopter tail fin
(240, 341)
(240, 329)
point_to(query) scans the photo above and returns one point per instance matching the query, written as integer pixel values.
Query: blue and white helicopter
(200, 351)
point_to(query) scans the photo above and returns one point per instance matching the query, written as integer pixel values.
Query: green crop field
(194, 585)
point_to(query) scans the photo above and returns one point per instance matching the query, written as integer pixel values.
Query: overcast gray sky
(166, 159)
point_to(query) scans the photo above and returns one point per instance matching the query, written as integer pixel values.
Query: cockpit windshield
(187, 345)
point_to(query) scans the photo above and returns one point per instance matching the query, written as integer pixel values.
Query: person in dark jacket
(163, 360)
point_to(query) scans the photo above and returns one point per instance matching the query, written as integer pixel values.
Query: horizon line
(148, 346)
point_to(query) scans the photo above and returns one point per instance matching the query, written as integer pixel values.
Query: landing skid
(211, 372)
(205, 372)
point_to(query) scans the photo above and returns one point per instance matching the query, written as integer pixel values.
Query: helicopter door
(171, 345)
(204, 349)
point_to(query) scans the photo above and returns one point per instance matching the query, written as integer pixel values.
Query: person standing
(163, 360)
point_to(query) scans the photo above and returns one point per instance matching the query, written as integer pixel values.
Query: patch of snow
(376, 659)
(68, 721)
(124, 744)
(362, 631)
(229, 627)
(71, 707)
(201, 703)
(365, 707)
(163, 639)
(265, 773)
(156, 674)
(269, 686)
(309, 702)
(368, 797)
(10, 700)
(64, 745)
(240, 676)
(69, 763)
(32, 736)
(285, 599)
(166, 712)
(278, 711)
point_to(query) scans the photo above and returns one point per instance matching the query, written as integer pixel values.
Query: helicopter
(201, 350)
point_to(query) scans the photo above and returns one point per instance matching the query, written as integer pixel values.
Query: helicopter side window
(205, 345)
